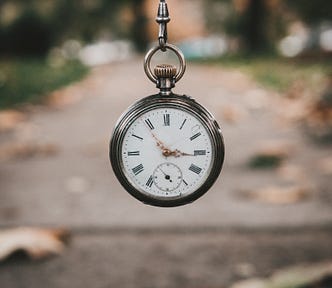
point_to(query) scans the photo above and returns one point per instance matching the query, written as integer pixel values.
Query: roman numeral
(195, 136)
(148, 122)
(184, 121)
(167, 120)
(138, 169)
(185, 182)
(149, 182)
(133, 153)
(195, 169)
(199, 152)
(140, 138)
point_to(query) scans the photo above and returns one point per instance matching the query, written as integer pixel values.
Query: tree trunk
(139, 29)
(255, 27)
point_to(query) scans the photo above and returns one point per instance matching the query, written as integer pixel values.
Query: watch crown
(165, 71)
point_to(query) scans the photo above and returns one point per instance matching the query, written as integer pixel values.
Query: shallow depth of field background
(68, 69)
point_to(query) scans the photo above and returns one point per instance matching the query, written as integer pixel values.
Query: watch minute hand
(159, 143)
(178, 153)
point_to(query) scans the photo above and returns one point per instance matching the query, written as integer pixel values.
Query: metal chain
(162, 19)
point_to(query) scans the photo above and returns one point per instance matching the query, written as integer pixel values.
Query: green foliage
(279, 73)
(29, 35)
(40, 24)
(310, 11)
(256, 25)
(28, 81)
(265, 162)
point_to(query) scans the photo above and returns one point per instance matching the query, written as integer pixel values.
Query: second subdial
(167, 176)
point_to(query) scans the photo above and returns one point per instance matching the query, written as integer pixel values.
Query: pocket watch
(166, 150)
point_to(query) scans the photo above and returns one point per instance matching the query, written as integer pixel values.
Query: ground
(54, 171)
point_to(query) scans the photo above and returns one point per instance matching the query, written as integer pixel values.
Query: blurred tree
(37, 25)
(312, 12)
(29, 35)
(139, 26)
(256, 23)
(253, 26)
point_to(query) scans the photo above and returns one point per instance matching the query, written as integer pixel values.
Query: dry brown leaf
(9, 119)
(296, 90)
(292, 172)
(313, 275)
(244, 269)
(250, 283)
(325, 166)
(302, 275)
(293, 110)
(27, 150)
(35, 242)
(64, 97)
(231, 114)
(280, 195)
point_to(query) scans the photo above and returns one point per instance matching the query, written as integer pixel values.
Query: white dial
(167, 152)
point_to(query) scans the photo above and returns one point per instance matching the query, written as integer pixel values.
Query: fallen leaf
(64, 97)
(292, 172)
(324, 282)
(9, 119)
(325, 166)
(27, 150)
(244, 269)
(296, 90)
(318, 120)
(299, 276)
(292, 110)
(279, 195)
(35, 242)
(231, 114)
(304, 276)
(251, 283)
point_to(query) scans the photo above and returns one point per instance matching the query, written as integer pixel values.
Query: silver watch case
(170, 101)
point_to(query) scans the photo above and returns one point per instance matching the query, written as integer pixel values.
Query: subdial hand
(167, 177)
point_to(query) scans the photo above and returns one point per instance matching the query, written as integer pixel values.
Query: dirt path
(67, 180)
(54, 170)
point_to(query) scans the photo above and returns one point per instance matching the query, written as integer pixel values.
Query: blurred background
(68, 69)
(68, 34)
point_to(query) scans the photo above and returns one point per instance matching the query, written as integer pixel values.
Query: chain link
(162, 19)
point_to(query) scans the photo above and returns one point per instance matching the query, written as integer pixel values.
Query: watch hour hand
(175, 153)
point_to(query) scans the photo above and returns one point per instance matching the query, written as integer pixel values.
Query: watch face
(165, 153)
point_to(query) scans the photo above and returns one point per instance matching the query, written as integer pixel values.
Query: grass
(265, 161)
(280, 73)
(30, 80)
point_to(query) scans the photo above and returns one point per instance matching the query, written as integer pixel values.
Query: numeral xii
(167, 121)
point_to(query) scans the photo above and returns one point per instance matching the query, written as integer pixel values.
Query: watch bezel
(171, 101)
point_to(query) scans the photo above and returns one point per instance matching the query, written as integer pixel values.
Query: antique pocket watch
(166, 150)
